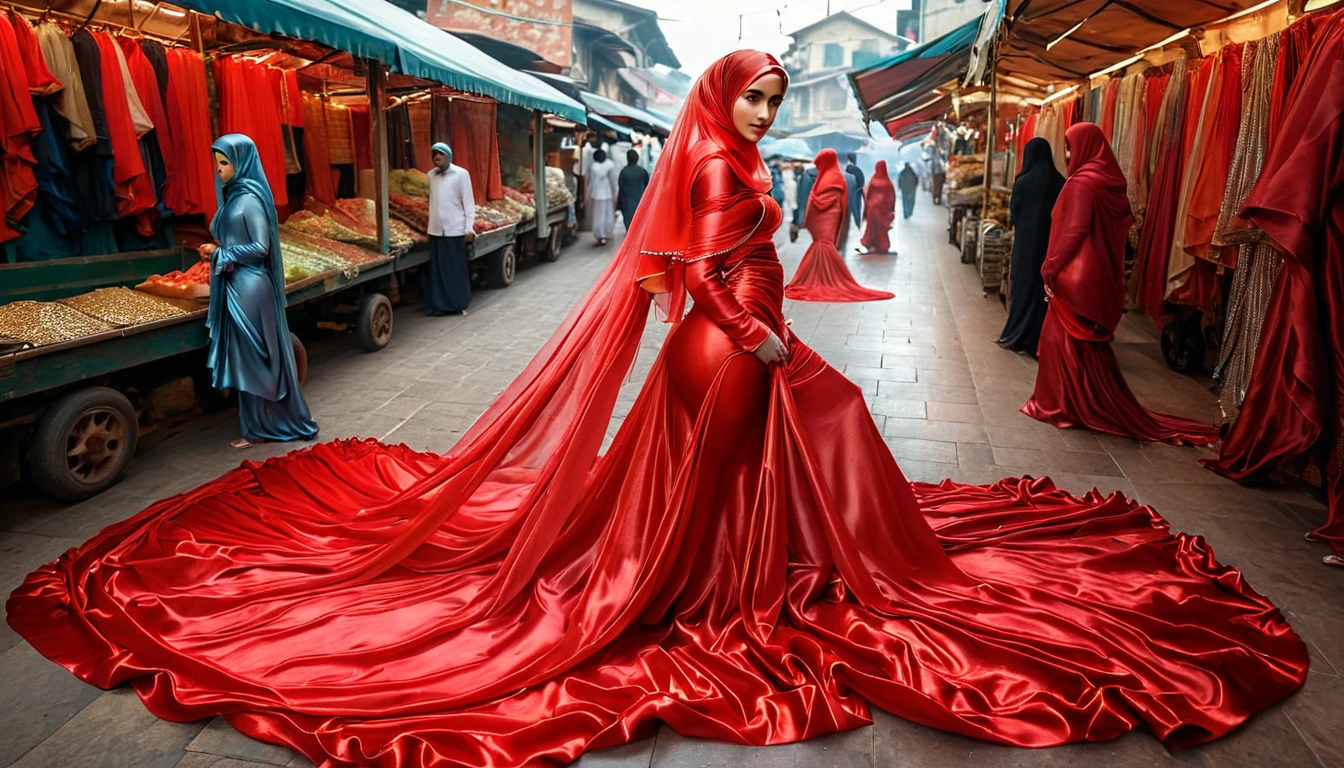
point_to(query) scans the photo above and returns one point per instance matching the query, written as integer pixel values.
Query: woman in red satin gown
(1079, 382)
(879, 210)
(822, 274)
(745, 562)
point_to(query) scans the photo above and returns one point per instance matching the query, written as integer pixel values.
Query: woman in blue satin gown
(250, 349)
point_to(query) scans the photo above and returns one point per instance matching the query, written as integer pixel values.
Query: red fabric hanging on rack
(1296, 393)
(1150, 263)
(361, 130)
(40, 80)
(1220, 142)
(131, 181)
(18, 126)
(146, 82)
(1109, 93)
(247, 105)
(191, 190)
(317, 151)
(475, 143)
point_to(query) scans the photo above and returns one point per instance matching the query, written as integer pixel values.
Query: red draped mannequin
(1295, 400)
(1079, 382)
(822, 274)
(745, 562)
(879, 210)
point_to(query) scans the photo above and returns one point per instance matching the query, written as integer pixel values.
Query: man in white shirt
(452, 216)
(590, 145)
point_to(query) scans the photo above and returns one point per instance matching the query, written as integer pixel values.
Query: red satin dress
(745, 563)
(822, 274)
(1079, 382)
(879, 211)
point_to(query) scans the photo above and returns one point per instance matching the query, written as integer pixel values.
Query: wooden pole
(377, 87)
(540, 205)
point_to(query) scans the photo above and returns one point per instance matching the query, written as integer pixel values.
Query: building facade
(819, 61)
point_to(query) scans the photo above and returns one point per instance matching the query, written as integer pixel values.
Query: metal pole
(377, 86)
(989, 137)
(540, 206)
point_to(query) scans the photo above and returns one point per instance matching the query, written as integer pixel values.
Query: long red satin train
(746, 562)
(822, 275)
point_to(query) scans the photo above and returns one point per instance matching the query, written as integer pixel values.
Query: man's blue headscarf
(249, 178)
(445, 149)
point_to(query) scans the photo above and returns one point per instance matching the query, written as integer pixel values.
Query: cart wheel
(503, 264)
(300, 358)
(83, 443)
(552, 250)
(374, 329)
(1182, 347)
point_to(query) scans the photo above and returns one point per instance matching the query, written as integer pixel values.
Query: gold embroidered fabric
(1248, 302)
(1257, 82)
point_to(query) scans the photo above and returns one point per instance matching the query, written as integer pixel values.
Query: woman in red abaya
(879, 211)
(1079, 382)
(744, 563)
(822, 275)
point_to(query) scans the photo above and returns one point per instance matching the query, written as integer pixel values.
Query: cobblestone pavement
(946, 399)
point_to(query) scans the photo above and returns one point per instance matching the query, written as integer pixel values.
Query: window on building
(836, 98)
(862, 59)
(804, 102)
(834, 55)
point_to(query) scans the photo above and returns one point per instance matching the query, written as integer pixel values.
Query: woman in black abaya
(1034, 195)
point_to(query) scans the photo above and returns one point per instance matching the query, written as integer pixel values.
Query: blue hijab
(249, 178)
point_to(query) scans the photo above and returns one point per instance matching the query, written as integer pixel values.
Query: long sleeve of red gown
(723, 215)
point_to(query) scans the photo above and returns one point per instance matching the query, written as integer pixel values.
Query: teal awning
(896, 84)
(611, 108)
(376, 29)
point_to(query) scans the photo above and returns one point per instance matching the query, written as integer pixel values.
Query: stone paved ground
(946, 399)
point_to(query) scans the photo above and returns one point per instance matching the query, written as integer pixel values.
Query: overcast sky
(701, 31)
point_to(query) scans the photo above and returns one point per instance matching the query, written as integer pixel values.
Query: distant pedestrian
(809, 177)
(452, 217)
(790, 191)
(630, 187)
(601, 185)
(856, 193)
(908, 181)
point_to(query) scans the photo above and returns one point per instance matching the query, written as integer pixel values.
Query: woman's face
(754, 111)
(223, 168)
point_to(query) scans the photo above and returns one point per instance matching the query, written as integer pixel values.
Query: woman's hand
(207, 251)
(772, 350)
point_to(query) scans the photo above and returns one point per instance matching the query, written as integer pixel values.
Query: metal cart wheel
(1183, 346)
(374, 327)
(83, 443)
(503, 265)
(551, 251)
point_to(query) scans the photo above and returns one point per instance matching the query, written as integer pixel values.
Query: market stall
(1219, 115)
(109, 189)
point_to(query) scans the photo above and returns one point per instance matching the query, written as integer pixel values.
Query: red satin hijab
(828, 171)
(704, 130)
(1093, 163)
